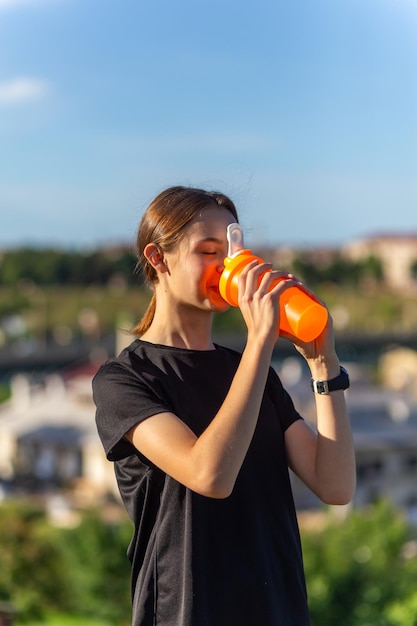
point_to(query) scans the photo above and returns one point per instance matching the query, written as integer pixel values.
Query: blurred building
(50, 445)
(397, 253)
(384, 424)
(49, 440)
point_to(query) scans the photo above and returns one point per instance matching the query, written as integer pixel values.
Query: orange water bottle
(300, 315)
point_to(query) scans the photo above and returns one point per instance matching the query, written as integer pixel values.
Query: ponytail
(147, 318)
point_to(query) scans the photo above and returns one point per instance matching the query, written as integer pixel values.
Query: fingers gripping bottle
(300, 315)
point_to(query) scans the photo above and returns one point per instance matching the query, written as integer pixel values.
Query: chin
(221, 306)
(216, 301)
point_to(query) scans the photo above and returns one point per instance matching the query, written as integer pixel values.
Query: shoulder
(281, 399)
(131, 359)
(229, 354)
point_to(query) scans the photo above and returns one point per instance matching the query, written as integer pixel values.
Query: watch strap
(324, 387)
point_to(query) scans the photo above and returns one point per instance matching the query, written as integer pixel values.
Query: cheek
(194, 275)
(198, 273)
(209, 274)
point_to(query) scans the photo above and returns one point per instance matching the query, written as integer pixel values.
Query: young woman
(202, 436)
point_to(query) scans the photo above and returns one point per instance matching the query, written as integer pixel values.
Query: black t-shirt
(199, 561)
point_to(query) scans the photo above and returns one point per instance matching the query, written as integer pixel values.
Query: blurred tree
(31, 574)
(339, 270)
(75, 571)
(64, 267)
(371, 267)
(413, 269)
(357, 571)
(95, 551)
(61, 267)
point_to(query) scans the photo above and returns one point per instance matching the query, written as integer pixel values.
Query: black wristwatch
(324, 387)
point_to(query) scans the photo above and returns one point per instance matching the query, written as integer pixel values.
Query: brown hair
(163, 224)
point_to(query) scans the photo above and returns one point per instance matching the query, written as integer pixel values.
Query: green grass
(4, 392)
(371, 310)
(53, 307)
(68, 620)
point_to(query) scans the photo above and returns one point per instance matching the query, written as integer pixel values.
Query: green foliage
(96, 551)
(61, 267)
(229, 320)
(82, 571)
(31, 573)
(357, 573)
(413, 269)
(43, 310)
(44, 291)
(339, 271)
(4, 392)
(58, 619)
(371, 267)
(403, 612)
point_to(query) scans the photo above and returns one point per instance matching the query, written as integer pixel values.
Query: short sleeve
(282, 401)
(123, 399)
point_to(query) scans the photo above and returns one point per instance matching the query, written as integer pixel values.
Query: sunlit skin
(187, 295)
(188, 282)
(196, 266)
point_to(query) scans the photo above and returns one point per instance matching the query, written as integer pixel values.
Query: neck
(193, 333)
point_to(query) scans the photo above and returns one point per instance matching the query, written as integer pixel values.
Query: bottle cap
(235, 239)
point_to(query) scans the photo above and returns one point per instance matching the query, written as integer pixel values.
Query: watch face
(322, 387)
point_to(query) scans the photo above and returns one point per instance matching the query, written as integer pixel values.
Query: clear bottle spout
(235, 239)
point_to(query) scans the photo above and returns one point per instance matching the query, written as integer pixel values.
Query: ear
(155, 257)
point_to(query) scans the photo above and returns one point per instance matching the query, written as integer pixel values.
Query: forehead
(212, 223)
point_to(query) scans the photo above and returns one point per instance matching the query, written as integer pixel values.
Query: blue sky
(304, 112)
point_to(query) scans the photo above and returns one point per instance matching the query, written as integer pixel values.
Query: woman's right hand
(259, 299)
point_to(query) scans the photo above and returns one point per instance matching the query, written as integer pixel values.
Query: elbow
(337, 496)
(218, 494)
(337, 500)
(215, 487)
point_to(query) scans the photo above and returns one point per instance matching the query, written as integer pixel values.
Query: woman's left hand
(324, 345)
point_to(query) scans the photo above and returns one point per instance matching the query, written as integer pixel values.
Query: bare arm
(209, 464)
(325, 461)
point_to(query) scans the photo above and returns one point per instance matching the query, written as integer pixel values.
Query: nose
(220, 267)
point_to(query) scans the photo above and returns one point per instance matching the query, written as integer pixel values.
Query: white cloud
(21, 89)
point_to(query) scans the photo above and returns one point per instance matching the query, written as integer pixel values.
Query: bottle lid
(235, 239)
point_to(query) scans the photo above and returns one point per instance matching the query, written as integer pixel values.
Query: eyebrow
(210, 240)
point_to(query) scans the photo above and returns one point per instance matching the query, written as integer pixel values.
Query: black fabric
(198, 561)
